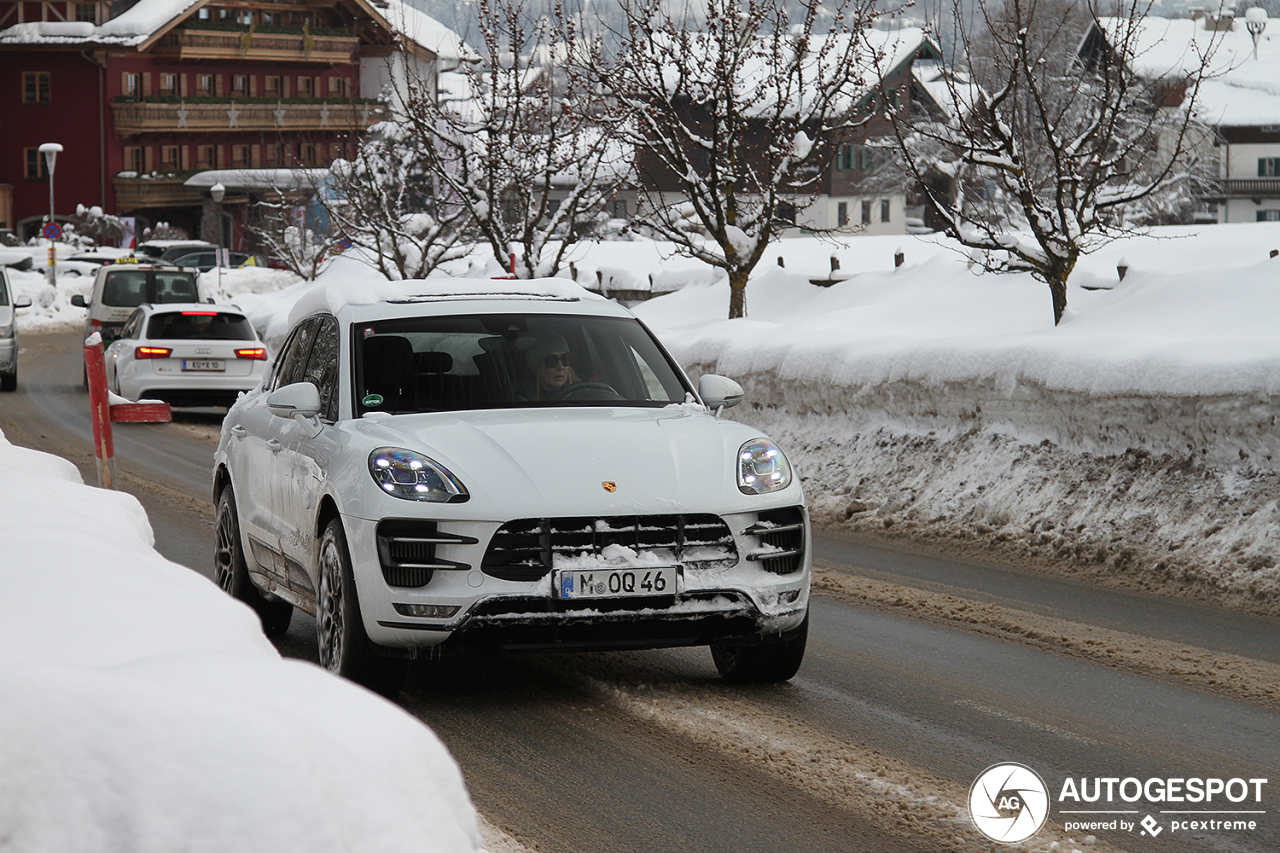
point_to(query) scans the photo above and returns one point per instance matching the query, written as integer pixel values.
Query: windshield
(199, 325)
(431, 364)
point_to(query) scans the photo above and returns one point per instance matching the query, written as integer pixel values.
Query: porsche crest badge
(610, 486)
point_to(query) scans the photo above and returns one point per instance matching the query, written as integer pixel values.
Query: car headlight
(414, 477)
(762, 468)
(6, 332)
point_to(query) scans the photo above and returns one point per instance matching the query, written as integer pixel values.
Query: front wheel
(770, 662)
(9, 381)
(232, 573)
(345, 648)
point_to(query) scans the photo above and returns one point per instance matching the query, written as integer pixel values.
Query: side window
(293, 358)
(322, 367)
(133, 327)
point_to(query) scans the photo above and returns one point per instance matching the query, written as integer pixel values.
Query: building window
(338, 87)
(884, 210)
(204, 157)
(33, 168)
(305, 89)
(87, 13)
(240, 84)
(307, 154)
(239, 156)
(130, 84)
(35, 87)
(1269, 215)
(169, 158)
(168, 84)
(1269, 167)
(268, 18)
(133, 159)
(844, 158)
(842, 213)
(271, 85)
(275, 155)
(866, 213)
(619, 208)
(204, 85)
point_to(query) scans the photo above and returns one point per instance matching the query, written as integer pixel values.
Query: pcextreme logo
(1009, 803)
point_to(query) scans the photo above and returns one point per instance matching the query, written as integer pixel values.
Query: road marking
(1014, 718)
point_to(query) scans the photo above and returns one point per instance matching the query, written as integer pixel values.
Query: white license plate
(628, 582)
(203, 364)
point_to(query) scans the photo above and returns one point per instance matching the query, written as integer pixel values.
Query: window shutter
(221, 158)
(148, 160)
(186, 157)
(256, 157)
(217, 85)
(146, 84)
(182, 86)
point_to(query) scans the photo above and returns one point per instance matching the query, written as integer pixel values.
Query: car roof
(179, 307)
(364, 301)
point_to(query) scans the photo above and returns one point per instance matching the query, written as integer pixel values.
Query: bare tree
(1054, 152)
(384, 201)
(735, 116)
(523, 152)
(285, 233)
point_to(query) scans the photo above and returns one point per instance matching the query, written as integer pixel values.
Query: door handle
(275, 446)
(238, 431)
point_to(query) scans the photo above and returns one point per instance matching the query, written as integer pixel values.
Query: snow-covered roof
(1241, 89)
(149, 18)
(258, 179)
(951, 90)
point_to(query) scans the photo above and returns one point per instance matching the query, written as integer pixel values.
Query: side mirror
(719, 392)
(78, 301)
(300, 402)
(23, 301)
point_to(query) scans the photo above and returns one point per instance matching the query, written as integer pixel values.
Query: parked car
(9, 305)
(528, 469)
(207, 260)
(186, 354)
(167, 250)
(119, 288)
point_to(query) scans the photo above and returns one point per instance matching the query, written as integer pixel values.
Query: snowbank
(144, 710)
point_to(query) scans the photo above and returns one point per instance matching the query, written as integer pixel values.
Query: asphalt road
(890, 715)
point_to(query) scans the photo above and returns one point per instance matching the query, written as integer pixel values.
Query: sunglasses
(550, 361)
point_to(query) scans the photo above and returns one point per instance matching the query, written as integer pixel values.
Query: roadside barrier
(103, 412)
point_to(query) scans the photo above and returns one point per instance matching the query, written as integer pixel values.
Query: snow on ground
(1135, 442)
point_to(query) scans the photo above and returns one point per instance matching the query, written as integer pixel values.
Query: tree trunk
(1058, 288)
(738, 293)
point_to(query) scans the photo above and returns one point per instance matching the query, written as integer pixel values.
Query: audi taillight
(152, 352)
(256, 353)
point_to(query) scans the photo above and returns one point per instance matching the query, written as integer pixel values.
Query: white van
(121, 287)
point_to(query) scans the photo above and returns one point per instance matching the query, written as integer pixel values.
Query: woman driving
(549, 360)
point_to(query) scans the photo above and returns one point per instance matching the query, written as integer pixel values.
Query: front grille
(407, 551)
(525, 550)
(781, 533)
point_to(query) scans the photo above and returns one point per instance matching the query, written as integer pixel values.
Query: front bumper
(737, 599)
(8, 355)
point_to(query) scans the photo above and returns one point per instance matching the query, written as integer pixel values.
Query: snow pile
(145, 711)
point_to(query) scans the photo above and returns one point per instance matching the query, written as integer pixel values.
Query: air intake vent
(407, 551)
(525, 550)
(781, 533)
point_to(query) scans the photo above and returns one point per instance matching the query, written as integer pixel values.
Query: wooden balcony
(132, 193)
(189, 43)
(132, 119)
(1254, 188)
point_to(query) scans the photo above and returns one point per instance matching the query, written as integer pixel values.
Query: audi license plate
(203, 364)
(631, 581)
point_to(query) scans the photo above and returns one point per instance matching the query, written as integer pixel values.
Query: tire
(345, 648)
(231, 573)
(9, 381)
(771, 662)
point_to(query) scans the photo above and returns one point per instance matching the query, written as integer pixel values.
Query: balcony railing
(186, 43)
(154, 192)
(1249, 187)
(232, 115)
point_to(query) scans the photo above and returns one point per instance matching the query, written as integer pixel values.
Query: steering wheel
(591, 390)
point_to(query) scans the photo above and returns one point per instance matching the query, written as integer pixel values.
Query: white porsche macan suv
(507, 465)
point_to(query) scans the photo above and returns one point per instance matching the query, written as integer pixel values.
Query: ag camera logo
(1009, 803)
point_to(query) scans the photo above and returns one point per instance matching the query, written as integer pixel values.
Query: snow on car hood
(531, 462)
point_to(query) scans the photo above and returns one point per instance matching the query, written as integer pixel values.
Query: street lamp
(50, 150)
(1255, 20)
(216, 192)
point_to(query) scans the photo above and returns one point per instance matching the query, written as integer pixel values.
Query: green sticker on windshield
(372, 400)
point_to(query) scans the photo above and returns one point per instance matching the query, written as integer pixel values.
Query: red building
(144, 96)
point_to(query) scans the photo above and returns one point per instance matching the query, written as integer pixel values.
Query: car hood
(584, 461)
